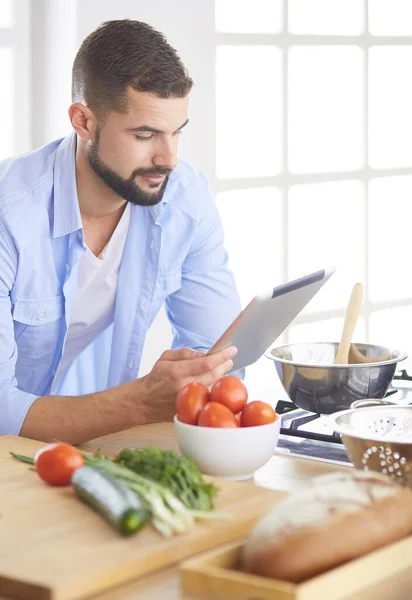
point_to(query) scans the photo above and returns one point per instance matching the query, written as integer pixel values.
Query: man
(98, 230)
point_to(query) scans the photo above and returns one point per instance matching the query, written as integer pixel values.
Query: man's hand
(174, 370)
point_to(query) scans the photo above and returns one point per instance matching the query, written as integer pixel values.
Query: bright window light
(244, 16)
(252, 220)
(327, 227)
(326, 109)
(390, 101)
(390, 17)
(326, 17)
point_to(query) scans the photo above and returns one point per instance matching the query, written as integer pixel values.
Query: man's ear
(83, 120)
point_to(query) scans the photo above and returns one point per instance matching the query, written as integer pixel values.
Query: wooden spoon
(356, 357)
(351, 317)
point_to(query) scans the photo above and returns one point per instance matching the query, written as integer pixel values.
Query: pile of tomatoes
(224, 406)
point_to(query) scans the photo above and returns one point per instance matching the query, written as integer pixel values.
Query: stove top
(311, 436)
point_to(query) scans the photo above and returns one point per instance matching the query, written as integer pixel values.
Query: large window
(14, 77)
(314, 157)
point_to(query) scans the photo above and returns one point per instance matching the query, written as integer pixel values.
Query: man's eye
(145, 138)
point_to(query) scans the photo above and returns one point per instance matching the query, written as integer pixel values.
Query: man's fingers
(181, 354)
(180, 367)
(219, 362)
(209, 378)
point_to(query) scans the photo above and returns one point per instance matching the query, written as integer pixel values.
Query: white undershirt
(93, 307)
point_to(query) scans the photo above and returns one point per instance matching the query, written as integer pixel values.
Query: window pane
(326, 109)
(6, 103)
(326, 17)
(390, 101)
(392, 328)
(253, 238)
(390, 218)
(6, 14)
(390, 17)
(326, 226)
(329, 330)
(244, 16)
(248, 111)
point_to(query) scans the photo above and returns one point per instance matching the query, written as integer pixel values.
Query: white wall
(54, 44)
(59, 28)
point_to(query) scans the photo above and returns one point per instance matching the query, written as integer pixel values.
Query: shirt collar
(67, 216)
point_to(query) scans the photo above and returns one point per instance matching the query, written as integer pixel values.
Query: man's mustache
(150, 172)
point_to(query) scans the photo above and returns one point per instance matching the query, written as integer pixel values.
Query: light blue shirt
(174, 254)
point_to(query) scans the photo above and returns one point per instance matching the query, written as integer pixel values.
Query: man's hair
(124, 53)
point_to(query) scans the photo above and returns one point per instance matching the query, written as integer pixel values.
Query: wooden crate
(215, 575)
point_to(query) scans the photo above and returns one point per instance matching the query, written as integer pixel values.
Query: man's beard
(127, 188)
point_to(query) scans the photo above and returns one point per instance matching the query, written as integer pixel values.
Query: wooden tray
(55, 547)
(385, 573)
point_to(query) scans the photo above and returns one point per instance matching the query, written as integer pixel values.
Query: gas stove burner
(309, 435)
(403, 376)
(297, 418)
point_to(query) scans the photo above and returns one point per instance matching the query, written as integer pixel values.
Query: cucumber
(111, 498)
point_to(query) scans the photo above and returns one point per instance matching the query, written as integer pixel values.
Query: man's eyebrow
(153, 130)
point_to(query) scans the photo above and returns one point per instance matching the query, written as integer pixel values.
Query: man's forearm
(77, 419)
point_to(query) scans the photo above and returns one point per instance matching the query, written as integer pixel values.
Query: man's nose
(165, 156)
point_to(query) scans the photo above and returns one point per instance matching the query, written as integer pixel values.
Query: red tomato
(230, 391)
(190, 401)
(56, 463)
(257, 413)
(217, 415)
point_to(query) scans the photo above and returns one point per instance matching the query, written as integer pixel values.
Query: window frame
(284, 40)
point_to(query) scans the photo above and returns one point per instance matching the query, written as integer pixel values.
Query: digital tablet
(267, 316)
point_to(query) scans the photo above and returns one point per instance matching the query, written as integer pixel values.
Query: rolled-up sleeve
(14, 403)
(208, 301)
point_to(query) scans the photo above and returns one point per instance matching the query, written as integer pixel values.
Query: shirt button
(67, 267)
(42, 316)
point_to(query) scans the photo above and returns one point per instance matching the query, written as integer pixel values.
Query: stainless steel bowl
(314, 383)
(378, 438)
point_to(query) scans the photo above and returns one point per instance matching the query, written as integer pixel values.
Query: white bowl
(225, 452)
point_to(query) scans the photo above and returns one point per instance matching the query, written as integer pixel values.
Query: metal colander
(379, 439)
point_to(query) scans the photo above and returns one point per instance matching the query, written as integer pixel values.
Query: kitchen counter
(282, 472)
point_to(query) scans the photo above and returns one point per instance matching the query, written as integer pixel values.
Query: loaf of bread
(336, 518)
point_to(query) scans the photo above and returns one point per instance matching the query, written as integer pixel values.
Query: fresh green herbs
(178, 473)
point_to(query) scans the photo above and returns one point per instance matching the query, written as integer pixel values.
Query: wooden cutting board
(52, 546)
